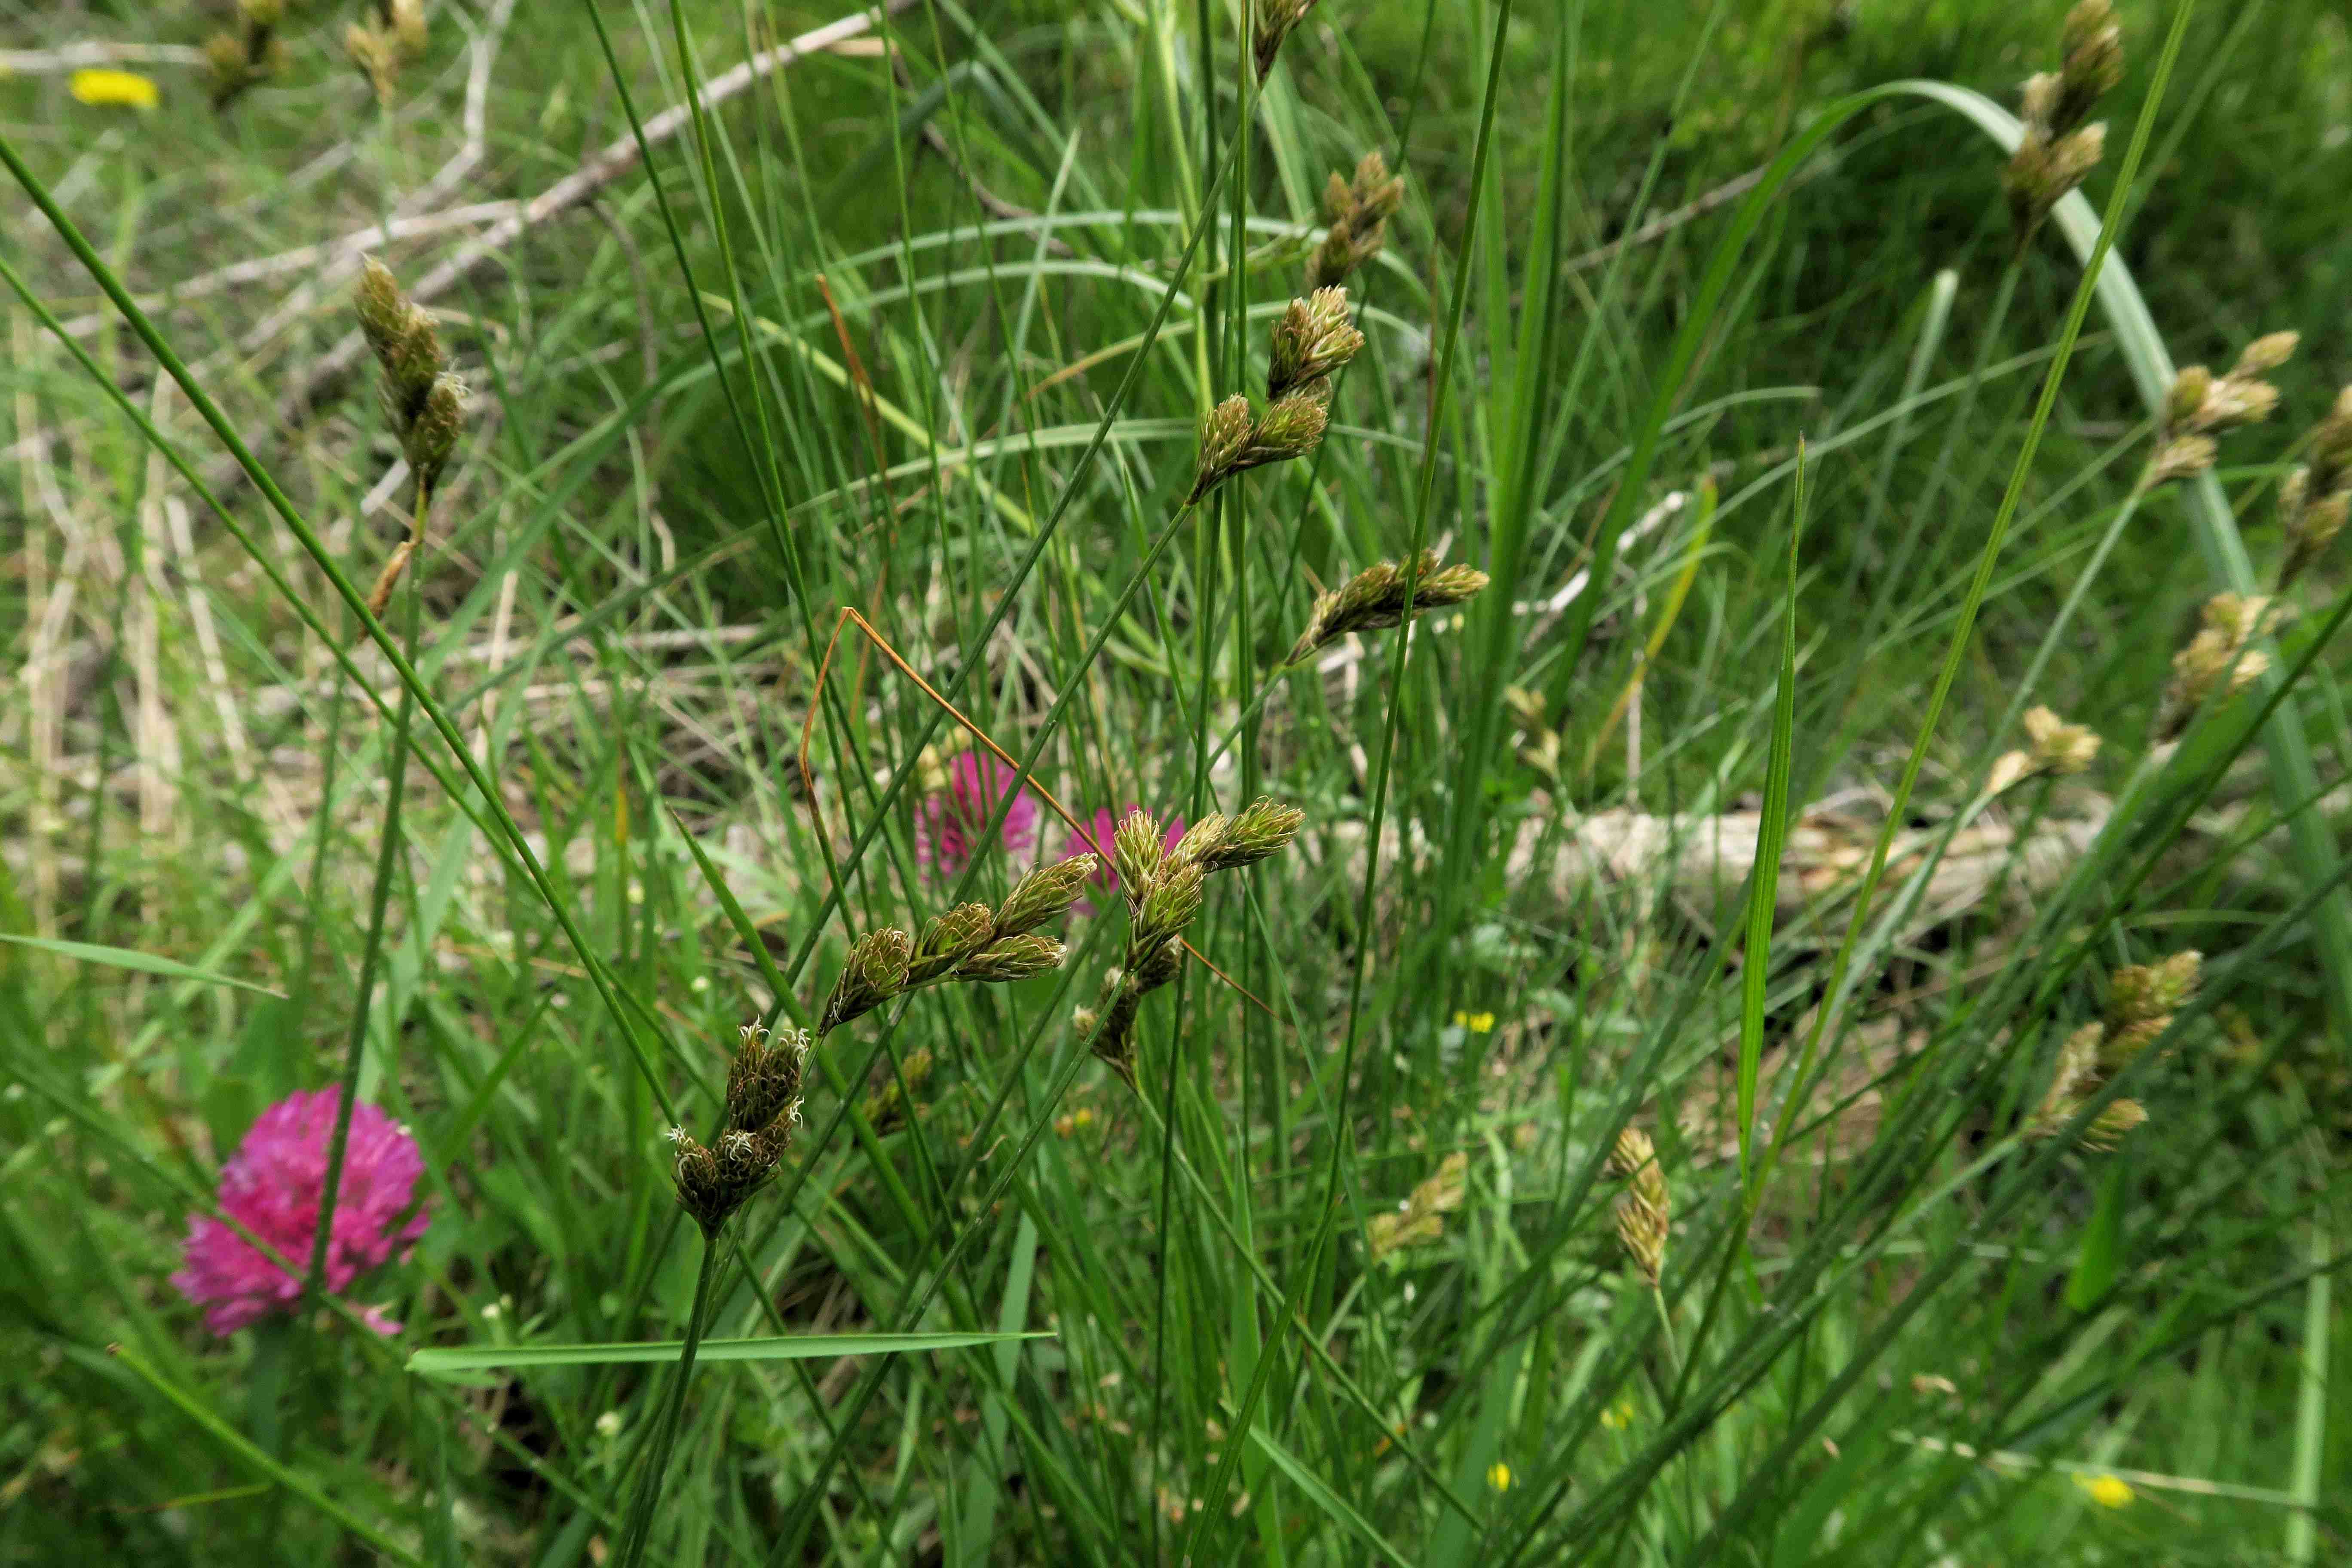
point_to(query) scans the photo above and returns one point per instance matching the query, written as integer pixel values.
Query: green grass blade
(128, 958)
(253, 1458)
(1334, 1506)
(807, 1347)
(1771, 836)
(2099, 1260)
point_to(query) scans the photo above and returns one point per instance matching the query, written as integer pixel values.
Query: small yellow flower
(2107, 1491)
(1084, 1117)
(126, 89)
(1619, 1415)
(1498, 1475)
(1476, 1023)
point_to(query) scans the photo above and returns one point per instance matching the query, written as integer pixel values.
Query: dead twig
(616, 159)
(85, 56)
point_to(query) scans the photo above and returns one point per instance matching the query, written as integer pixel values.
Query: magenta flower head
(951, 824)
(273, 1184)
(1100, 828)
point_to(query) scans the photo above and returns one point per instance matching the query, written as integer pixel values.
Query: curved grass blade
(128, 958)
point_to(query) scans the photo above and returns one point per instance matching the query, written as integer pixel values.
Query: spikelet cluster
(2315, 497)
(1313, 339)
(1162, 887)
(1420, 1220)
(970, 944)
(1644, 1209)
(424, 398)
(1275, 21)
(2220, 657)
(248, 54)
(2059, 148)
(2057, 749)
(762, 1109)
(2202, 405)
(1384, 595)
(2141, 1000)
(384, 44)
(1359, 215)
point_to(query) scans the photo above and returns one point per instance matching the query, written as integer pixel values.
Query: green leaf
(2097, 1264)
(1324, 1497)
(124, 958)
(799, 1347)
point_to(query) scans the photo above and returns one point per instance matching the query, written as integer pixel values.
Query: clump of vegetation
(1648, 1063)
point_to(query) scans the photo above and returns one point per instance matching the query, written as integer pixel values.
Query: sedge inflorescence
(2059, 144)
(1358, 212)
(762, 1109)
(1162, 888)
(1314, 340)
(380, 46)
(1097, 836)
(2200, 405)
(2141, 1001)
(1382, 596)
(1645, 1208)
(248, 54)
(273, 1186)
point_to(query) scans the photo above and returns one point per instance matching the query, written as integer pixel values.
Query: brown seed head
(2216, 653)
(713, 1182)
(2139, 992)
(2111, 1125)
(1419, 1219)
(2181, 457)
(2314, 501)
(1644, 1212)
(1275, 21)
(2060, 747)
(764, 1082)
(1376, 598)
(407, 25)
(2075, 1077)
(2092, 50)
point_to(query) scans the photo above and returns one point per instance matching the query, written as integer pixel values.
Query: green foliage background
(606, 612)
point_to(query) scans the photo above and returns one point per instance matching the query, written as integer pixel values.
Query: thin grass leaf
(807, 1347)
(1334, 1506)
(1771, 837)
(127, 958)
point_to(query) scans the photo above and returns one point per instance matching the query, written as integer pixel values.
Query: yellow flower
(1083, 1117)
(2107, 1491)
(126, 89)
(1498, 1475)
(1476, 1023)
(1619, 1415)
